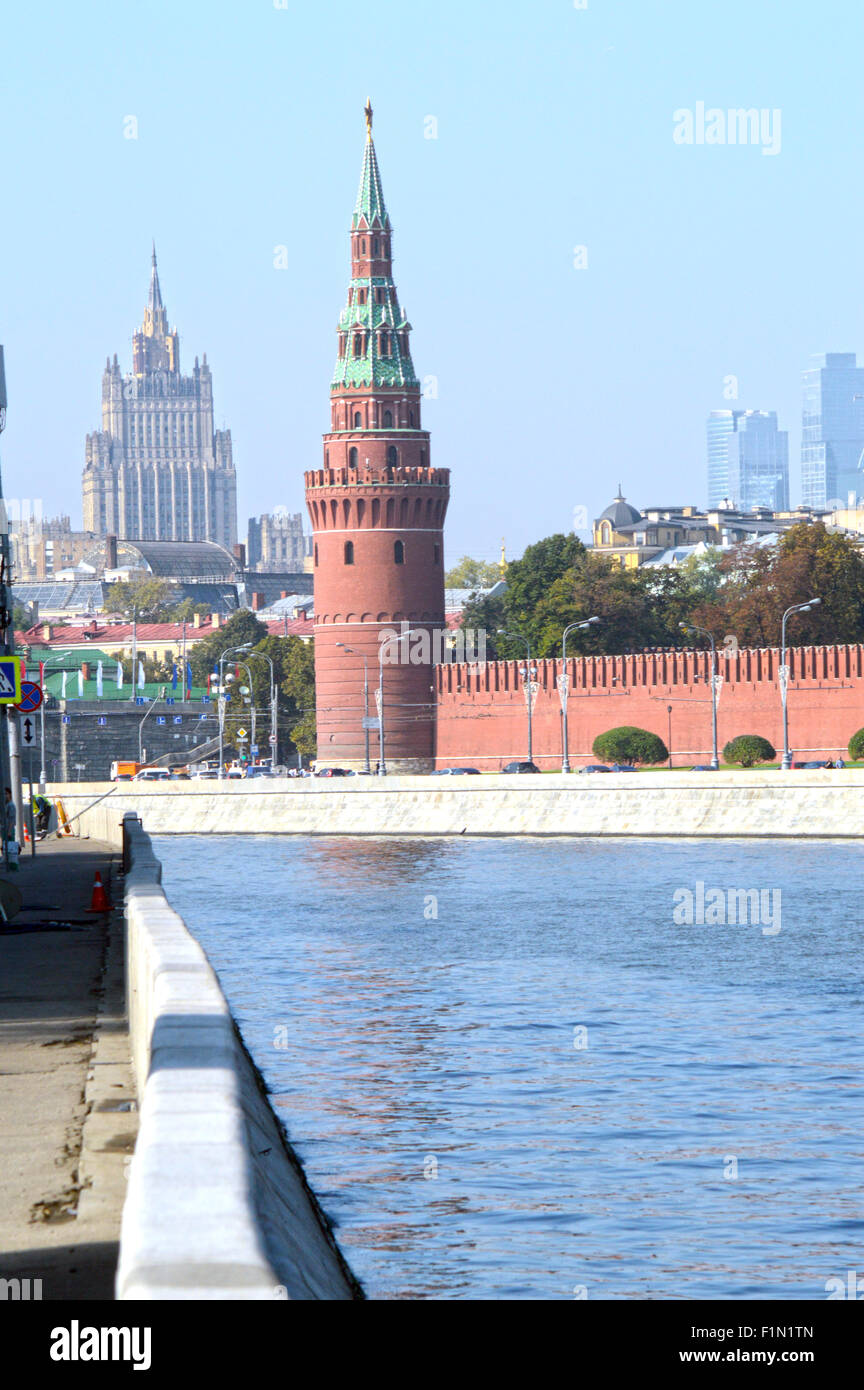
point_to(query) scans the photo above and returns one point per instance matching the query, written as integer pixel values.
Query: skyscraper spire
(155, 300)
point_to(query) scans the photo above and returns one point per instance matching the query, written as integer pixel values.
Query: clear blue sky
(554, 130)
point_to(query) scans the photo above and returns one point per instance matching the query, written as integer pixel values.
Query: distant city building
(758, 463)
(157, 470)
(721, 425)
(832, 436)
(41, 548)
(276, 541)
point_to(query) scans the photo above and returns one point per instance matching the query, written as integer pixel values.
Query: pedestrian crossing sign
(10, 680)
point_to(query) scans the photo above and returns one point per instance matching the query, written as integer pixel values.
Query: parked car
(623, 767)
(521, 767)
(456, 772)
(595, 767)
(333, 772)
(704, 767)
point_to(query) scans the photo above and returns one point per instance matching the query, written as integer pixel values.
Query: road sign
(67, 718)
(139, 700)
(273, 739)
(177, 718)
(205, 699)
(160, 719)
(102, 721)
(254, 748)
(10, 680)
(241, 733)
(170, 700)
(28, 731)
(31, 697)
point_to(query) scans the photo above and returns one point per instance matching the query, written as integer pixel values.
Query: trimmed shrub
(630, 745)
(856, 746)
(748, 749)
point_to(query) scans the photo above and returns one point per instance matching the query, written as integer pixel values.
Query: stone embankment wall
(216, 1206)
(768, 803)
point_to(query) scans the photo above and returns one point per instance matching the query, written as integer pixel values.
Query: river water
(510, 1072)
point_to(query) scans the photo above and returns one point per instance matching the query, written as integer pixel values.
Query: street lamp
(564, 686)
(397, 637)
(352, 651)
(784, 675)
(244, 647)
(691, 627)
(527, 674)
(273, 705)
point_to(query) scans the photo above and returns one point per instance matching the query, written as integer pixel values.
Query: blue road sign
(178, 719)
(205, 699)
(67, 719)
(170, 700)
(102, 721)
(31, 697)
(139, 700)
(160, 719)
(254, 748)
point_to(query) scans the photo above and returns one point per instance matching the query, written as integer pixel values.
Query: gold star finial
(368, 110)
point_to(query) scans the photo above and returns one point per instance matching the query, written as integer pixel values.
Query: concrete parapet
(216, 1207)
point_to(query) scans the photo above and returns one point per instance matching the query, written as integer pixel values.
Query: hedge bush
(748, 749)
(856, 746)
(630, 745)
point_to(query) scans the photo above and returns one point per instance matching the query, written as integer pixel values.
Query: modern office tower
(832, 436)
(721, 425)
(759, 463)
(158, 470)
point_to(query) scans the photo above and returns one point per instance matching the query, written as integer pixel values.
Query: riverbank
(761, 803)
(67, 1099)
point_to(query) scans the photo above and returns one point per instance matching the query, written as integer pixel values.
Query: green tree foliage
(240, 628)
(856, 746)
(472, 574)
(148, 600)
(630, 745)
(748, 749)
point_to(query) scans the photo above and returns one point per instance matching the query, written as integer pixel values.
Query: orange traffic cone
(100, 901)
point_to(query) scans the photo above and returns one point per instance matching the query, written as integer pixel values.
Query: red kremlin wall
(482, 714)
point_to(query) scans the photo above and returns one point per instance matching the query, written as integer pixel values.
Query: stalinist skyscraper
(157, 470)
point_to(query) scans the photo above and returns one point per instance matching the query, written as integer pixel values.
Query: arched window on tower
(411, 419)
(388, 419)
(363, 247)
(374, 246)
(361, 296)
(349, 552)
(392, 456)
(341, 344)
(358, 344)
(358, 420)
(384, 344)
(399, 553)
(352, 458)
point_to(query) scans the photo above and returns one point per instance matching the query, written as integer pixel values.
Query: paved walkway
(67, 1099)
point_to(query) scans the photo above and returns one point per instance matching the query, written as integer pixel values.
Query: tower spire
(369, 208)
(154, 301)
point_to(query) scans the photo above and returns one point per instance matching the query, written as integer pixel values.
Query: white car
(153, 774)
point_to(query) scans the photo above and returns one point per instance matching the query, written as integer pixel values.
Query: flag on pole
(188, 680)
(99, 690)
(80, 685)
(174, 676)
(119, 675)
(42, 675)
(140, 675)
(63, 689)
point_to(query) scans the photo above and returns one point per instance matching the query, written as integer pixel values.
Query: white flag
(119, 676)
(140, 675)
(99, 679)
(63, 686)
(80, 685)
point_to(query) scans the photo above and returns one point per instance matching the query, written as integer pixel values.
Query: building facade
(758, 463)
(832, 434)
(158, 470)
(377, 508)
(722, 424)
(276, 541)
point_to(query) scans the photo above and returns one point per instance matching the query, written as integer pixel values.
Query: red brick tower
(377, 509)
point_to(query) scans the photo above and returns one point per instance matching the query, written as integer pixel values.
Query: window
(363, 247)
(411, 418)
(379, 296)
(316, 553)
(341, 344)
(388, 419)
(392, 456)
(384, 344)
(358, 344)
(399, 553)
(352, 458)
(361, 296)
(349, 552)
(358, 420)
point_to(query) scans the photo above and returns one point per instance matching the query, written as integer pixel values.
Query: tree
(856, 746)
(240, 628)
(630, 745)
(148, 600)
(472, 574)
(298, 685)
(749, 749)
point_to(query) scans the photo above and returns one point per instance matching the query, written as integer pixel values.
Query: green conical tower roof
(370, 194)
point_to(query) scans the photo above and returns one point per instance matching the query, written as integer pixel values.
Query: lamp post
(397, 637)
(352, 651)
(564, 687)
(227, 652)
(159, 697)
(527, 674)
(273, 708)
(703, 632)
(784, 676)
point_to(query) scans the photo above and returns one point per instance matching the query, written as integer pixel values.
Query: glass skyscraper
(758, 456)
(722, 424)
(832, 437)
